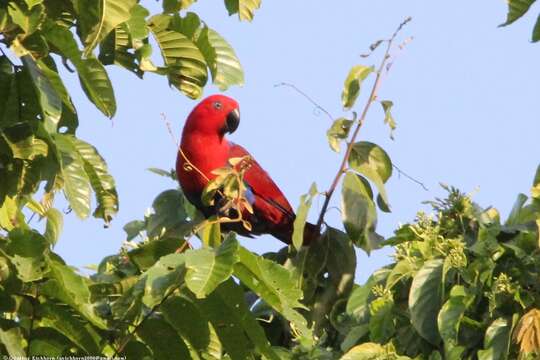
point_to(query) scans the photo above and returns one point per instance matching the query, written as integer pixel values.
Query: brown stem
(372, 97)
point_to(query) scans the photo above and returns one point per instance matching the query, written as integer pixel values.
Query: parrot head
(216, 114)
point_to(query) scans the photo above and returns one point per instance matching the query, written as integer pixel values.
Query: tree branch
(371, 99)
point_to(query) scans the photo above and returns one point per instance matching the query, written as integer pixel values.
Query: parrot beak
(233, 120)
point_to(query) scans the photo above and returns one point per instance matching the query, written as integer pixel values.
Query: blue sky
(465, 94)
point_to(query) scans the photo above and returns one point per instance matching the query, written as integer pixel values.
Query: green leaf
(274, 284)
(338, 132)
(207, 268)
(366, 351)
(97, 86)
(354, 80)
(63, 320)
(48, 342)
(536, 30)
(373, 162)
(12, 338)
(51, 105)
(92, 75)
(162, 278)
(101, 181)
(112, 13)
(26, 250)
(76, 181)
(516, 9)
(186, 67)
(381, 322)
(425, 300)
(210, 234)
(449, 319)
(162, 339)
(72, 289)
(136, 25)
(173, 6)
(27, 148)
(535, 190)
(402, 270)
(235, 325)
(169, 217)
(498, 339)
(191, 323)
(244, 8)
(28, 19)
(388, 118)
(301, 216)
(358, 212)
(9, 214)
(515, 213)
(222, 61)
(55, 223)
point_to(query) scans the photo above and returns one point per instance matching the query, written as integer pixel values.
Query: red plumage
(205, 146)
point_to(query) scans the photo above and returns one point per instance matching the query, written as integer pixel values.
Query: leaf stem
(372, 98)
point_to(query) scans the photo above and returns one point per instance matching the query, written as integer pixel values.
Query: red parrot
(205, 146)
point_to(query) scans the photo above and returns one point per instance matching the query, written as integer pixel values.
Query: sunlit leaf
(207, 268)
(26, 250)
(222, 61)
(92, 75)
(51, 105)
(163, 277)
(12, 338)
(112, 13)
(358, 212)
(373, 162)
(338, 132)
(388, 118)
(425, 300)
(497, 340)
(102, 182)
(76, 181)
(449, 319)
(274, 284)
(366, 351)
(54, 226)
(301, 216)
(353, 82)
(244, 8)
(186, 67)
(516, 9)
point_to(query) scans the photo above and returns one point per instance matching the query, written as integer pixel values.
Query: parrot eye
(217, 105)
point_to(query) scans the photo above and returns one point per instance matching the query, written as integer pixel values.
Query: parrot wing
(270, 205)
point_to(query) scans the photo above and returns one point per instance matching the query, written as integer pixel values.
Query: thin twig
(309, 98)
(169, 129)
(401, 172)
(371, 99)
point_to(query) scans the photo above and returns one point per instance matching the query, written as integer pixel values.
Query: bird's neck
(205, 153)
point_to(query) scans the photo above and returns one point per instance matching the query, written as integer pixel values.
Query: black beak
(233, 120)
